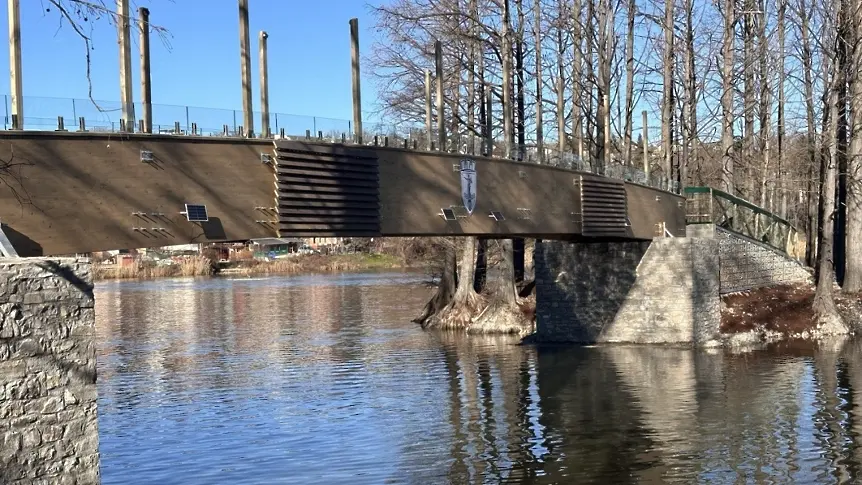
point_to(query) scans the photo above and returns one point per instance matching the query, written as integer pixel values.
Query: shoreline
(199, 266)
(782, 313)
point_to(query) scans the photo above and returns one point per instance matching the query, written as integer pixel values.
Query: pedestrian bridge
(77, 192)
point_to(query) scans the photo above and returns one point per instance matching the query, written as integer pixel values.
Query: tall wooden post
(264, 86)
(357, 91)
(645, 144)
(508, 133)
(146, 88)
(441, 118)
(15, 80)
(123, 34)
(489, 123)
(245, 66)
(429, 124)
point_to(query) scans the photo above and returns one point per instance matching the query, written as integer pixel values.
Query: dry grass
(200, 266)
(319, 263)
(192, 266)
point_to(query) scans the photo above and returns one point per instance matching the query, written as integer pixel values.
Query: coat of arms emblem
(468, 184)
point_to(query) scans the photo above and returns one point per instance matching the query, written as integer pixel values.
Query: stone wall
(747, 264)
(639, 292)
(48, 424)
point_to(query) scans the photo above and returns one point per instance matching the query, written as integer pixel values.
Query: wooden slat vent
(326, 191)
(603, 207)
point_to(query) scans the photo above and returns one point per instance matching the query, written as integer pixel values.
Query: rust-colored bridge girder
(67, 193)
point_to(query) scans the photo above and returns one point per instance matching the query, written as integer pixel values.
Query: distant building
(274, 247)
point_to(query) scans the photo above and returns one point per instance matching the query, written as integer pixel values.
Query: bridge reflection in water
(322, 379)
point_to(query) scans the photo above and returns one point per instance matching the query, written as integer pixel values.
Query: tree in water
(445, 290)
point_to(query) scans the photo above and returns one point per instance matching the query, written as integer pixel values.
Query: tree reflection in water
(323, 379)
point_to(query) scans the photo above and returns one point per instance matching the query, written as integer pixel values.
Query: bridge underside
(65, 193)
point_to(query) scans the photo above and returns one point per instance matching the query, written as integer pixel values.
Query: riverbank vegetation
(785, 311)
(384, 254)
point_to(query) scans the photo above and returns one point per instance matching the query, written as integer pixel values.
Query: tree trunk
(445, 290)
(811, 132)
(765, 108)
(518, 245)
(577, 79)
(507, 83)
(607, 63)
(748, 100)
(560, 87)
(727, 172)
(471, 83)
(540, 142)
(667, 98)
(783, 187)
(519, 75)
(589, 78)
(691, 99)
(824, 303)
(853, 263)
(481, 273)
(630, 80)
(838, 257)
(466, 302)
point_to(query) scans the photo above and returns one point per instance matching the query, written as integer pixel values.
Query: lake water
(324, 379)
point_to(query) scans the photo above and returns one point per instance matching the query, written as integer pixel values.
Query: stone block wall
(663, 291)
(48, 424)
(747, 264)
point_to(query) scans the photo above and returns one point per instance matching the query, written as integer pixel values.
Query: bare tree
(667, 97)
(537, 23)
(853, 273)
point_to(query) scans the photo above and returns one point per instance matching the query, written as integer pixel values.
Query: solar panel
(449, 215)
(497, 216)
(196, 213)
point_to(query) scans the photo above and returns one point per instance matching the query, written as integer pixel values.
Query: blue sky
(309, 55)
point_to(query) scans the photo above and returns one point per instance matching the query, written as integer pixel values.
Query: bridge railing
(706, 205)
(47, 114)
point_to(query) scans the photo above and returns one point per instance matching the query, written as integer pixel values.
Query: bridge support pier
(48, 422)
(663, 291)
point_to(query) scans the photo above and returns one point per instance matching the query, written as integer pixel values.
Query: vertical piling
(15, 81)
(146, 89)
(645, 144)
(245, 66)
(489, 142)
(264, 86)
(429, 126)
(441, 118)
(354, 68)
(125, 42)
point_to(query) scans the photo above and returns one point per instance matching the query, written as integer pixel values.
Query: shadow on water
(322, 379)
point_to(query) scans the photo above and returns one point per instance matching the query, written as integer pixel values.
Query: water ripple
(323, 379)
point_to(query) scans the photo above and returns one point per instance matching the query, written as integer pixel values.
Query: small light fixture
(147, 156)
(265, 157)
(497, 216)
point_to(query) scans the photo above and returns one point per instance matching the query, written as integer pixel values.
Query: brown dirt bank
(786, 309)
